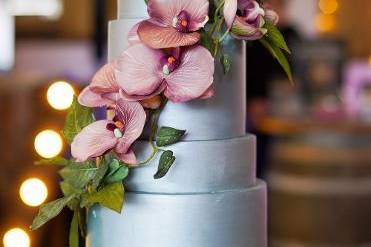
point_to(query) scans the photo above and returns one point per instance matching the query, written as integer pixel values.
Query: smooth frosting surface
(200, 167)
(131, 9)
(228, 219)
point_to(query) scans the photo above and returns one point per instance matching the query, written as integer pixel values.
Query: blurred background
(314, 136)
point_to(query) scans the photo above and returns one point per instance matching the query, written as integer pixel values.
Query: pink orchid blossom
(173, 23)
(182, 75)
(249, 22)
(117, 134)
(103, 89)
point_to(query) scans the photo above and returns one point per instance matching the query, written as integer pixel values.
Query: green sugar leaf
(110, 196)
(167, 136)
(279, 55)
(79, 175)
(101, 172)
(226, 61)
(116, 172)
(275, 37)
(74, 231)
(78, 118)
(59, 161)
(166, 161)
(49, 211)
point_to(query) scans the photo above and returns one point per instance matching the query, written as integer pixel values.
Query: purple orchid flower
(181, 74)
(103, 89)
(117, 134)
(173, 23)
(246, 18)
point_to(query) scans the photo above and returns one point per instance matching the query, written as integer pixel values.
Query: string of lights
(48, 144)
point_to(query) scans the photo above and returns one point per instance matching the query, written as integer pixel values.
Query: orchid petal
(162, 12)
(104, 80)
(208, 94)
(133, 117)
(193, 76)
(272, 16)
(159, 37)
(230, 11)
(128, 97)
(139, 70)
(128, 158)
(89, 98)
(93, 141)
(133, 37)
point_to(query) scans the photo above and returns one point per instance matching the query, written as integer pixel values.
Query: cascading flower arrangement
(170, 57)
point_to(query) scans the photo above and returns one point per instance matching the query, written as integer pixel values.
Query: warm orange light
(16, 237)
(328, 7)
(48, 144)
(325, 23)
(60, 95)
(33, 192)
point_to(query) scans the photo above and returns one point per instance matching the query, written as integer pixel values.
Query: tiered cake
(210, 197)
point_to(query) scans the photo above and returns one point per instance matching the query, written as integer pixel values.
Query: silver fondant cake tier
(226, 219)
(200, 166)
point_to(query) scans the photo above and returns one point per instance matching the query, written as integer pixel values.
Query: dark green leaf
(278, 54)
(167, 136)
(74, 231)
(101, 172)
(166, 161)
(117, 172)
(275, 37)
(78, 117)
(146, 1)
(49, 211)
(59, 161)
(79, 175)
(226, 61)
(207, 41)
(111, 196)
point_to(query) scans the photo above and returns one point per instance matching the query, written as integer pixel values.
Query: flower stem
(154, 126)
(224, 36)
(216, 17)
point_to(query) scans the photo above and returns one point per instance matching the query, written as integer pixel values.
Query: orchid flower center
(181, 22)
(171, 63)
(117, 127)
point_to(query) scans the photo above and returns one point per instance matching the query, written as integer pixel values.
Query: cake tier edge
(235, 218)
(200, 166)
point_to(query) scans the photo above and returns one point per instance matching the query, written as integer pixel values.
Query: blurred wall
(353, 25)
(77, 21)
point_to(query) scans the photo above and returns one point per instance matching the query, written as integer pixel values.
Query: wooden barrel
(320, 191)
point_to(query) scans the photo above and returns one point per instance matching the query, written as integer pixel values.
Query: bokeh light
(325, 23)
(33, 192)
(328, 7)
(60, 95)
(16, 237)
(48, 144)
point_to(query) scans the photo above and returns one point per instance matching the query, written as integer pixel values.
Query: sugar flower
(249, 22)
(103, 89)
(117, 134)
(173, 23)
(181, 74)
